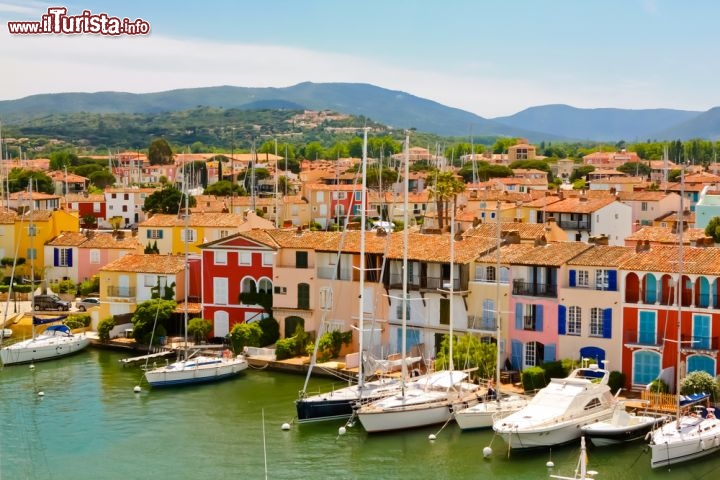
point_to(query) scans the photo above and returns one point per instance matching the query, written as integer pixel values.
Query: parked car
(50, 302)
(86, 303)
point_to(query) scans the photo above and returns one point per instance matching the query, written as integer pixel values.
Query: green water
(90, 425)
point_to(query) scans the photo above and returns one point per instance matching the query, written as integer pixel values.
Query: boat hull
(341, 403)
(696, 437)
(405, 418)
(484, 414)
(603, 434)
(37, 350)
(185, 373)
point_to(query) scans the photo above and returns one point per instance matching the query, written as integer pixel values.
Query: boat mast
(406, 242)
(678, 287)
(187, 266)
(31, 234)
(451, 365)
(361, 297)
(498, 233)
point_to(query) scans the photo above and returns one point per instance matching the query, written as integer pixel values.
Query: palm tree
(446, 186)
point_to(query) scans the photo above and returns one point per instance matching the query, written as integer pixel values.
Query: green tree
(102, 178)
(581, 172)
(63, 159)
(635, 168)
(160, 152)
(199, 329)
(225, 188)
(19, 179)
(713, 229)
(147, 314)
(167, 200)
(313, 151)
(468, 352)
(445, 187)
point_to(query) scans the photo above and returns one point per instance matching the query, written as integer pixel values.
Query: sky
(489, 57)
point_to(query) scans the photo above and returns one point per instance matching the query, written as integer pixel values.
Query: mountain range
(391, 107)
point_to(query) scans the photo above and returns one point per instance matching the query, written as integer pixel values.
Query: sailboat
(430, 399)
(194, 367)
(497, 405)
(690, 435)
(581, 471)
(340, 403)
(55, 341)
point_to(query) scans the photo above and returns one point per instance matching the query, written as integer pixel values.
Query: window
(155, 234)
(63, 257)
(244, 258)
(643, 206)
(94, 256)
(303, 296)
(529, 317)
(647, 328)
(96, 207)
(326, 298)
(265, 286)
(188, 235)
(124, 208)
(358, 196)
(602, 280)
(220, 290)
(220, 257)
(267, 259)
(596, 322)
(248, 285)
(32, 254)
(224, 233)
(32, 231)
(574, 325)
(126, 196)
(301, 259)
(490, 274)
(339, 195)
(113, 195)
(399, 312)
(583, 278)
(646, 367)
(280, 290)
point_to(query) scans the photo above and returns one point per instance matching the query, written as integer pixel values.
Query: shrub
(90, 286)
(79, 320)
(699, 382)
(22, 288)
(270, 331)
(616, 381)
(331, 343)
(199, 328)
(66, 286)
(533, 378)
(555, 369)
(285, 348)
(150, 338)
(245, 335)
(659, 386)
(104, 328)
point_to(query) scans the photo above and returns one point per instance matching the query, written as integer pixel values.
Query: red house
(86, 206)
(651, 310)
(230, 266)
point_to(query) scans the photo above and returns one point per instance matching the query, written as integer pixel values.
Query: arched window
(248, 285)
(701, 363)
(265, 285)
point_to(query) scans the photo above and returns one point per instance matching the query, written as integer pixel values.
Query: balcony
(640, 339)
(574, 225)
(121, 292)
(481, 323)
(534, 289)
(693, 342)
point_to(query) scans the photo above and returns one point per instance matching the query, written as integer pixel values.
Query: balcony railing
(693, 342)
(122, 292)
(574, 225)
(534, 289)
(481, 323)
(640, 338)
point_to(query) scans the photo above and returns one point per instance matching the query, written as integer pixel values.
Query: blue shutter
(607, 323)
(518, 316)
(562, 315)
(516, 357)
(572, 278)
(538, 318)
(612, 280)
(69, 257)
(549, 353)
(148, 233)
(160, 234)
(56, 257)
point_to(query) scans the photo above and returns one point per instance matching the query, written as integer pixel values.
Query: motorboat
(556, 414)
(622, 427)
(491, 408)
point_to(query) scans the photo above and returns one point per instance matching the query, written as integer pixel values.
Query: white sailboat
(194, 367)
(428, 400)
(55, 341)
(581, 471)
(689, 435)
(340, 403)
(483, 414)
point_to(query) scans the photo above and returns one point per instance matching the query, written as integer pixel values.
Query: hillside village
(588, 273)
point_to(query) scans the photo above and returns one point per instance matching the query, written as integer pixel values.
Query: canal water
(89, 424)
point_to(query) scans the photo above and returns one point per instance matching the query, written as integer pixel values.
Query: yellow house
(35, 228)
(7, 233)
(130, 280)
(169, 231)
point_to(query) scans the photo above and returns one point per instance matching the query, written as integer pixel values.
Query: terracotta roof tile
(68, 239)
(141, 263)
(576, 205)
(602, 256)
(108, 240)
(553, 254)
(662, 258)
(195, 220)
(666, 235)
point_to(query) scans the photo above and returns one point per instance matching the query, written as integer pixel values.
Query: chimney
(642, 246)
(599, 240)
